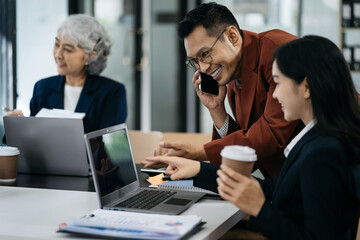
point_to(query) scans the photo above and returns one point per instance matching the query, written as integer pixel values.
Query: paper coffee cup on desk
(8, 163)
(239, 158)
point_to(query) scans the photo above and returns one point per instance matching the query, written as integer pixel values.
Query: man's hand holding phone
(210, 101)
(214, 103)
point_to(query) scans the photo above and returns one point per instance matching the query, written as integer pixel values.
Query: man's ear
(306, 88)
(234, 35)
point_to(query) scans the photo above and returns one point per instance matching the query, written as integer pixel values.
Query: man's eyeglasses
(205, 56)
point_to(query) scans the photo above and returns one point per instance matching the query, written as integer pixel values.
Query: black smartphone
(209, 84)
(153, 172)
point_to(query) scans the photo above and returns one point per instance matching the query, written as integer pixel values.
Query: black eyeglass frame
(194, 62)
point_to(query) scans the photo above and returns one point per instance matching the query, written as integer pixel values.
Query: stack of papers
(131, 225)
(59, 113)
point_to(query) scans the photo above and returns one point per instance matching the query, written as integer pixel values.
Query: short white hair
(85, 32)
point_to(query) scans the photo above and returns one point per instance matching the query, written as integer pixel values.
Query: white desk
(33, 213)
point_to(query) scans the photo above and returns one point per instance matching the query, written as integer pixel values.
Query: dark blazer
(102, 100)
(259, 122)
(314, 197)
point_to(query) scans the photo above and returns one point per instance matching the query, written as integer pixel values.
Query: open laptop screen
(113, 161)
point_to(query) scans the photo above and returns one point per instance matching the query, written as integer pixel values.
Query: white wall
(37, 23)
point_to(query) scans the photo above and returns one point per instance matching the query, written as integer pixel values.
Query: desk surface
(63, 182)
(33, 213)
(33, 206)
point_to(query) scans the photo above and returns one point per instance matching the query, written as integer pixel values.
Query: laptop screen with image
(116, 181)
(113, 162)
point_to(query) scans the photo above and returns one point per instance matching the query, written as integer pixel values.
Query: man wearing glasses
(241, 62)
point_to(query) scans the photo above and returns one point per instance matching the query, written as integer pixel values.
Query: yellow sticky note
(156, 180)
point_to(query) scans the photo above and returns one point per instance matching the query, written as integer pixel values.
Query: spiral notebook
(184, 185)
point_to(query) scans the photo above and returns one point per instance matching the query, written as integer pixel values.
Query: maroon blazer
(259, 121)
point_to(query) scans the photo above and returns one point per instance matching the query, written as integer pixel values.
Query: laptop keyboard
(146, 199)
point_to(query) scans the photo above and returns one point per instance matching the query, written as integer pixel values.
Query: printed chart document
(131, 225)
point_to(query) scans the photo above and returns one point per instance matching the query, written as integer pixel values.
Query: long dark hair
(334, 98)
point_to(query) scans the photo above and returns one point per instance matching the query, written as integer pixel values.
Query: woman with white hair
(81, 49)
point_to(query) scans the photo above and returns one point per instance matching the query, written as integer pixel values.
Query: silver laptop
(53, 146)
(116, 181)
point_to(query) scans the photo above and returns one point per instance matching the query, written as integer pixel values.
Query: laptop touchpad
(177, 201)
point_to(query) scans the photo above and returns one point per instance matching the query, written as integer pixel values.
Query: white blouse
(71, 97)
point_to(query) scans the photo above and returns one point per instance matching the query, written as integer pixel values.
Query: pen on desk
(166, 178)
(88, 216)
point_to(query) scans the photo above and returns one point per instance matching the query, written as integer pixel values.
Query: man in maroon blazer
(241, 62)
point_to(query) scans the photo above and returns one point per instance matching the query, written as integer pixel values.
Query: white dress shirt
(295, 140)
(224, 129)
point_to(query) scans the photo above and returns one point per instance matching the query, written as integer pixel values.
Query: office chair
(143, 144)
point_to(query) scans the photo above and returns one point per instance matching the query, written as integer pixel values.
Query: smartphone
(208, 84)
(153, 172)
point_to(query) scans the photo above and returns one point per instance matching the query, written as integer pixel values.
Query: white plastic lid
(239, 153)
(9, 151)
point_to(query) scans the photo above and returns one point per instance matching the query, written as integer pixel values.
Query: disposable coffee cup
(8, 163)
(239, 158)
